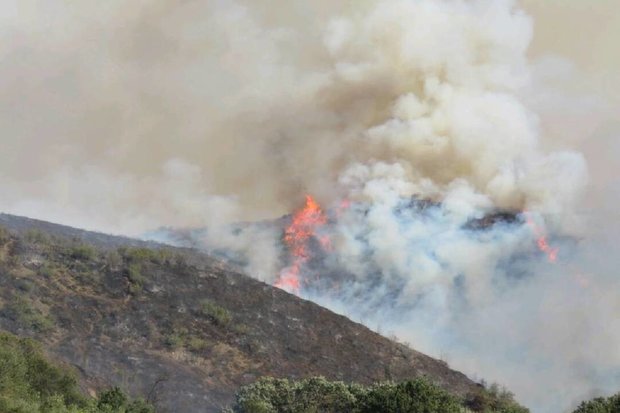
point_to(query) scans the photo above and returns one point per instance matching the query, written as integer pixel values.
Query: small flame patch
(541, 239)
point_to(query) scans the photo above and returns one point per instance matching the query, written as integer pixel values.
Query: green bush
(174, 340)
(139, 255)
(29, 383)
(218, 314)
(139, 406)
(35, 236)
(494, 399)
(115, 401)
(197, 344)
(241, 328)
(26, 316)
(82, 252)
(165, 256)
(600, 405)
(5, 236)
(112, 399)
(414, 396)
(114, 261)
(48, 270)
(134, 273)
(318, 395)
(267, 395)
(181, 337)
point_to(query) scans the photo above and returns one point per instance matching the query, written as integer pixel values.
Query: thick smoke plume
(126, 116)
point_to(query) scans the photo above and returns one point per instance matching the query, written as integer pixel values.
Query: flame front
(541, 239)
(304, 226)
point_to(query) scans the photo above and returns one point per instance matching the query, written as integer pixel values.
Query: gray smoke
(124, 117)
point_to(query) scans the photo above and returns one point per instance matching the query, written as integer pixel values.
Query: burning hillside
(308, 239)
(414, 268)
(224, 115)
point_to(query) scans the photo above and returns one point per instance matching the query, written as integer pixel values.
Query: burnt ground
(177, 326)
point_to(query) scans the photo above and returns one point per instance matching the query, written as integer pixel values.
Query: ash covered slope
(178, 326)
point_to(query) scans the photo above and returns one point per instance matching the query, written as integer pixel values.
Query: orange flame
(541, 239)
(297, 235)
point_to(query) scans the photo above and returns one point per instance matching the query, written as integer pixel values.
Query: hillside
(178, 326)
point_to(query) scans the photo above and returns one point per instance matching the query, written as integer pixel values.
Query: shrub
(114, 261)
(139, 406)
(218, 314)
(82, 252)
(258, 406)
(600, 405)
(112, 399)
(5, 236)
(139, 255)
(47, 270)
(495, 399)
(165, 256)
(134, 273)
(241, 328)
(23, 284)
(173, 340)
(197, 344)
(36, 236)
(267, 395)
(318, 395)
(28, 381)
(414, 396)
(26, 316)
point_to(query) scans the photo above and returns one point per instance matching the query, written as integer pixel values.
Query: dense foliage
(493, 399)
(318, 395)
(600, 405)
(29, 383)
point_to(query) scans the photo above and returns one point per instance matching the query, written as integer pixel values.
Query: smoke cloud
(125, 117)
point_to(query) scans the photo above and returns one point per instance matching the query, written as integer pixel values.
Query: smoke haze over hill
(169, 110)
(124, 117)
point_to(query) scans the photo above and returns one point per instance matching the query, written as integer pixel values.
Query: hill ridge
(179, 323)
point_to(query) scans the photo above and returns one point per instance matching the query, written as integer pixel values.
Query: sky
(119, 115)
(585, 33)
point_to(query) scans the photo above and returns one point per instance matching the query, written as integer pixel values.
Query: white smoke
(124, 117)
(438, 112)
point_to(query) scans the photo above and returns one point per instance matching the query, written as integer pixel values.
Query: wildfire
(541, 239)
(304, 226)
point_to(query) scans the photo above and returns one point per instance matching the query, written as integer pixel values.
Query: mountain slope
(177, 326)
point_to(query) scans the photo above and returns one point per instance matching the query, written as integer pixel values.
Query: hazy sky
(586, 31)
(113, 96)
